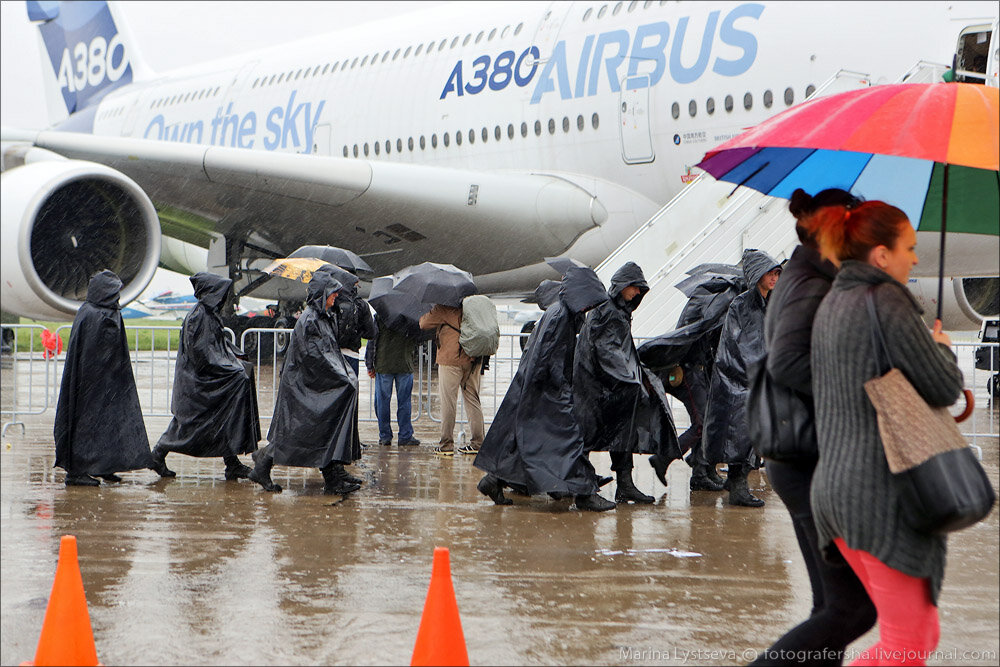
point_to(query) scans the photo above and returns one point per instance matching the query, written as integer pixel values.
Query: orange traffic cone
(66, 638)
(440, 640)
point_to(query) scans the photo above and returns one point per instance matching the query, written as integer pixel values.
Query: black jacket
(214, 401)
(313, 423)
(534, 442)
(98, 426)
(620, 405)
(725, 435)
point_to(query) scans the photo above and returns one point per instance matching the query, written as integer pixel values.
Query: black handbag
(942, 486)
(781, 421)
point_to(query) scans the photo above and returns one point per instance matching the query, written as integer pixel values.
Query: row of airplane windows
(728, 103)
(181, 97)
(618, 8)
(422, 142)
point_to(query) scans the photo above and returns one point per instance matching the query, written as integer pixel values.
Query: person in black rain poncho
(620, 405)
(214, 400)
(98, 427)
(313, 423)
(725, 436)
(534, 443)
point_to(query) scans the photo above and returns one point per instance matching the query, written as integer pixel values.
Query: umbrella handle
(970, 404)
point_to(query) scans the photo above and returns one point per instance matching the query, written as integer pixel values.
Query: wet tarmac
(197, 570)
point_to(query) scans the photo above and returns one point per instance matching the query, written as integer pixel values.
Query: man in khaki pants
(456, 370)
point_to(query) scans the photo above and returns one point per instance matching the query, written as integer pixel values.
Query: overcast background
(171, 35)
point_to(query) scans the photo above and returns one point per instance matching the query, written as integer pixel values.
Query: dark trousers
(842, 610)
(693, 393)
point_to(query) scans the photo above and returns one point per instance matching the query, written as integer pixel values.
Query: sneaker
(412, 442)
(468, 449)
(446, 449)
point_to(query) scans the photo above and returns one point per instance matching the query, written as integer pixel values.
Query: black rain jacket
(313, 422)
(98, 425)
(534, 442)
(214, 400)
(726, 435)
(620, 405)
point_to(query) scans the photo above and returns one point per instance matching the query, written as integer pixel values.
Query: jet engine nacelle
(64, 220)
(966, 302)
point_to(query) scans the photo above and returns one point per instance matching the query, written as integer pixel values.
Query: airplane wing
(394, 214)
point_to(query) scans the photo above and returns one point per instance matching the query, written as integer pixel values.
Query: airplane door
(633, 115)
(321, 140)
(547, 31)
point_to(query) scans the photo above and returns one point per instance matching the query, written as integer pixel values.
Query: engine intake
(64, 220)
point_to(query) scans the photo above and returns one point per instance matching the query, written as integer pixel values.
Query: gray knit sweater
(852, 492)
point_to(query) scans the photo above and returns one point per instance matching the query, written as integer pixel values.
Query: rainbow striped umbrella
(929, 149)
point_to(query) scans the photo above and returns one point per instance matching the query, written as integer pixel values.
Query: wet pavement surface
(197, 570)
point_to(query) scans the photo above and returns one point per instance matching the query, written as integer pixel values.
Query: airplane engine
(64, 220)
(966, 301)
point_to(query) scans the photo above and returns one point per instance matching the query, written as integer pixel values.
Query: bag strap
(883, 361)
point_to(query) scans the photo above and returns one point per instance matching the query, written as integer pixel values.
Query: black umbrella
(341, 257)
(562, 264)
(399, 311)
(435, 283)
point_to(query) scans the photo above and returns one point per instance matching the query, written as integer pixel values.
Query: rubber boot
(261, 472)
(660, 468)
(351, 478)
(81, 479)
(235, 470)
(491, 487)
(160, 463)
(702, 479)
(594, 503)
(739, 492)
(627, 491)
(334, 482)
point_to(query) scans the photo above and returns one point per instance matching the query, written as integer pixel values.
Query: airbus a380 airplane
(485, 135)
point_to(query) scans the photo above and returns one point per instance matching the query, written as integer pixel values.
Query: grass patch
(141, 337)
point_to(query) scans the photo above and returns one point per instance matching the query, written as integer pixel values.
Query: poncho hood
(104, 289)
(211, 289)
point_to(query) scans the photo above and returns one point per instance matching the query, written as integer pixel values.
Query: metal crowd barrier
(31, 378)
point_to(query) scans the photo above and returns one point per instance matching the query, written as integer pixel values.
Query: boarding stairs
(713, 222)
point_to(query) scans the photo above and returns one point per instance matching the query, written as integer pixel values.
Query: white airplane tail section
(89, 51)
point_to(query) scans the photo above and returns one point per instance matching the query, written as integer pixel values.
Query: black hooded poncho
(620, 405)
(726, 435)
(313, 422)
(534, 442)
(98, 426)
(214, 400)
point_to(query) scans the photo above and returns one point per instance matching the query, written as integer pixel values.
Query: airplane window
(486, 135)
(510, 131)
(524, 129)
(768, 99)
(423, 142)
(255, 81)
(458, 138)
(376, 146)
(517, 30)
(538, 128)
(447, 139)
(465, 42)
(497, 133)
(455, 41)
(364, 60)
(346, 154)
(420, 47)
(472, 136)
(729, 103)
(366, 149)
(271, 81)
(385, 56)
(595, 121)
(810, 89)
(306, 73)
(396, 54)
(334, 68)
(444, 43)
(586, 14)
(789, 97)
(325, 67)
(675, 110)
(506, 31)
(289, 77)
(692, 108)
(748, 101)
(355, 150)
(647, 4)
(579, 123)
(409, 143)
(280, 77)
(632, 5)
(399, 145)
(316, 71)
(493, 33)
(617, 9)
(407, 52)
(710, 105)
(388, 146)
(663, 3)
(565, 124)
(354, 62)
(602, 11)
(479, 37)
(552, 125)
(297, 75)
(434, 141)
